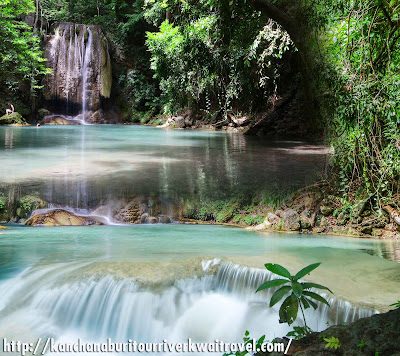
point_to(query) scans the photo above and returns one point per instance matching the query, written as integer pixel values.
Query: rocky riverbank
(378, 335)
(317, 209)
(311, 210)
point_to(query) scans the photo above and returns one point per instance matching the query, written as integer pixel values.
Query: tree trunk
(36, 16)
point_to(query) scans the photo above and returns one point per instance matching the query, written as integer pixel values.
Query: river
(166, 281)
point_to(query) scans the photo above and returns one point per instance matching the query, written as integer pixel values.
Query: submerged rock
(14, 118)
(60, 217)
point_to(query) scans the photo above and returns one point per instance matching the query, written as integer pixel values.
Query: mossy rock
(42, 113)
(14, 118)
(29, 203)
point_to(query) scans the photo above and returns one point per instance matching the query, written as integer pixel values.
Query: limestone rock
(272, 219)
(60, 217)
(58, 120)
(342, 219)
(14, 118)
(291, 220)
(164, 219)
(324, 222)
(366, 229)
(359, 207)
(326, 210)
(305, 220)
(152, 220)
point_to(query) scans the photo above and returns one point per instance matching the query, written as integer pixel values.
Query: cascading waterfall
(85, 72)
(81, 80)
(62, 302)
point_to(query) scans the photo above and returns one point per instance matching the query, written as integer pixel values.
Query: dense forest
(327, 70)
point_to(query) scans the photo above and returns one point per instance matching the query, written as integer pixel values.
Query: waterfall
(81, 79)
(63, 302)
(85, 72)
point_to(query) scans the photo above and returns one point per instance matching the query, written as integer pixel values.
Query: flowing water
(153, 282)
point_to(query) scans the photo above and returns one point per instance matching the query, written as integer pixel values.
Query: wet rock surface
(60, 217)
(58, 120)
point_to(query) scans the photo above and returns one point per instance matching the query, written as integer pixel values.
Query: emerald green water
(22, 247)
(151, 282)
(78, 166)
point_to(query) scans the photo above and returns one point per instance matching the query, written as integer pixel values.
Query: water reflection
(80, 166)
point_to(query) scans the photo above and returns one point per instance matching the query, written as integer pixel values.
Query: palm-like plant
(300, 293)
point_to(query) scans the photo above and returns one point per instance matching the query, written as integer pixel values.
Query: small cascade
(80, 84)
(64, 302)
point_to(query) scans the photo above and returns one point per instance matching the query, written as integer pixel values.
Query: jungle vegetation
(217, 56)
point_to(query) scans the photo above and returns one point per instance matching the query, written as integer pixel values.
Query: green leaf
(305, 302)
(315, 285)
(289, 309)
(313, 304)
(305, 271)
(278, 295)
(316, 297)
(297, 289)
(278, 269)
(272, 284)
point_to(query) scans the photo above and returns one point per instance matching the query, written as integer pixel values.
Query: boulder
(305, 219)
(152, 220)
(58, 120)
(13, 119)
(60, 217)
(272, 219)
(342, 219)
(324, 222)
(291, 220)
(164, 219)
(366, 230)
(326, 210)
(359, 207)
(144, 218)
(179, 122)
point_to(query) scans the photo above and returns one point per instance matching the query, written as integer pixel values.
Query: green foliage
(247, 340)
(299, 332)
(362, 53)
(300, 292)
(332, 343)
(396, 305)
(20, 55)
(2, 204)
(214, 54)
(362, 344)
